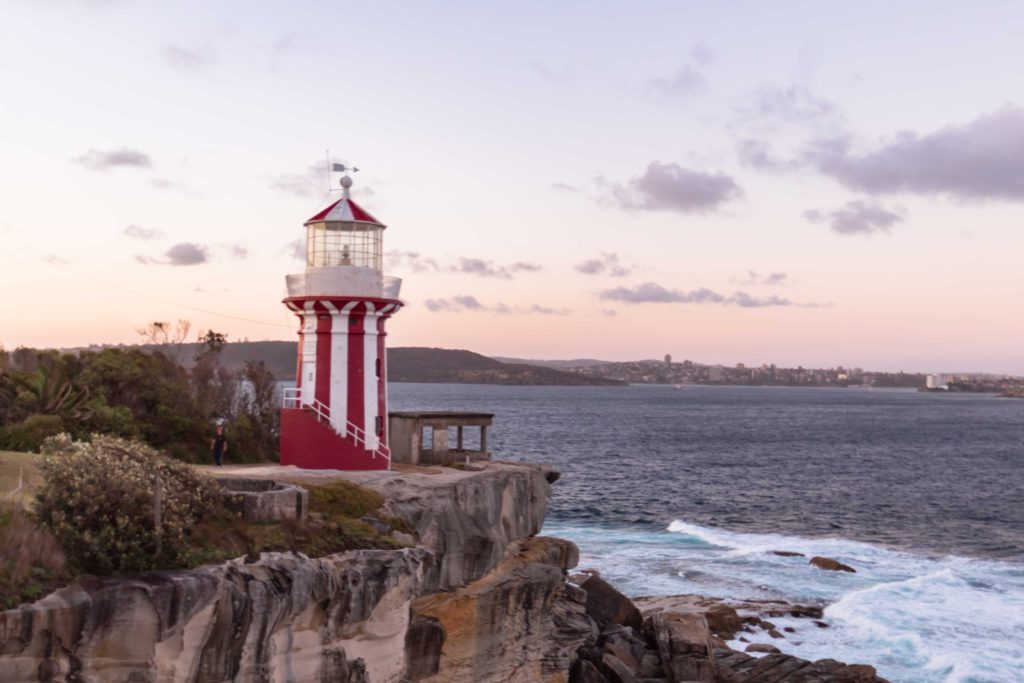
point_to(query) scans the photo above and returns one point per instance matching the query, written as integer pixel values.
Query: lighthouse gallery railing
(293, 399)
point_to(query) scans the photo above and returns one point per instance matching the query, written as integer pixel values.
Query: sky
(799, 183)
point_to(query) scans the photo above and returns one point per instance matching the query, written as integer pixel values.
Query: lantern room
(344, 234)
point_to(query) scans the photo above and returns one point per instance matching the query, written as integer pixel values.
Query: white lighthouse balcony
(344, 281)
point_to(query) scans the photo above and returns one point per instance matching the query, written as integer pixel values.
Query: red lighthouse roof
(345, 210)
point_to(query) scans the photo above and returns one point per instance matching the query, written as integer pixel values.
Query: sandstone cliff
(481, 600)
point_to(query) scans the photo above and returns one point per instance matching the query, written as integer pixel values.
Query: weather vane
(346, 180)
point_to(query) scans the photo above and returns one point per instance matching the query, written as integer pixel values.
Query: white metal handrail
(293, 399)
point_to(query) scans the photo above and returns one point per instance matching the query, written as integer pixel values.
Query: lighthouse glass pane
(343, 244)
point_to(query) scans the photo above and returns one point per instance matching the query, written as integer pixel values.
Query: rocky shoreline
(481, 599)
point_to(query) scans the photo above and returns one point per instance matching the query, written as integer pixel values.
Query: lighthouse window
(340, 243)
(378, 367)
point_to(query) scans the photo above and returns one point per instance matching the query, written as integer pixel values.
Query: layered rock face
(468, 519)
(283, 618)
(520, 623)
(345, 618)
(481, 600)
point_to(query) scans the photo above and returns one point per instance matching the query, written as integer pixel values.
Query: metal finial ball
(346, 181)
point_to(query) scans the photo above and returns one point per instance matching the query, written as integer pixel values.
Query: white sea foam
(917, 619)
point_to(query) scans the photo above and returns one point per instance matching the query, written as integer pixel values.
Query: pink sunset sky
(806, 184)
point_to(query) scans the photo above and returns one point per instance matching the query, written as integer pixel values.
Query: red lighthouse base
(308, 443)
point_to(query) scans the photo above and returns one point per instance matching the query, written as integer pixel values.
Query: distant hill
(556, 364)
(421, 364)
(405, 364)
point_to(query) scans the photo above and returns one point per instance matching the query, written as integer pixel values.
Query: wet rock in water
(820, 624)
(607, 606)
(723, 620)
(831, 565)
(787, 553)
(775, 634)
(763, 647)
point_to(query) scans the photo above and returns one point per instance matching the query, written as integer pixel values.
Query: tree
(167, 339)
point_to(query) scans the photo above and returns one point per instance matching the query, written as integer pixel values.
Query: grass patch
(343, 499)
(333, 526)
(13, 463)
(31, 561)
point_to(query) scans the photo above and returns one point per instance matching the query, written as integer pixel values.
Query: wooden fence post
(156, 513)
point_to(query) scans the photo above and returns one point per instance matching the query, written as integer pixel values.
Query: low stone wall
(263, 500)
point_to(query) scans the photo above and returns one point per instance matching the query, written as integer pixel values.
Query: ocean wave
(918, 619)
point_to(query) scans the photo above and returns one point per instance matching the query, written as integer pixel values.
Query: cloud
(773, 106)
(187, 254)
(307, 184)
(454, 304)
(607, 263)
(981, 159)
(140, 233)
(462, 302)
(295, 249)
(188, 58)
(564, 187)
(99, 160)
(56, 260)
(610, 312)
(558, 75)
(238, 252)
(410, 260)
(670, 187)
(857, 217)
(652, 292)
(183, 254)
(468, 265)
(770, 279)
(687, 80)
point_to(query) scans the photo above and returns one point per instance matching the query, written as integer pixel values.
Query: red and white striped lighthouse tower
(336, 416)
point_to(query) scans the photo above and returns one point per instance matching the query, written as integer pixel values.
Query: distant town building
(668, 359)
(937, 382)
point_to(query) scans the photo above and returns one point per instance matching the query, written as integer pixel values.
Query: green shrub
(30, 433)
(97, 500)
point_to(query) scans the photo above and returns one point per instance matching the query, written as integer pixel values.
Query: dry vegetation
(78, 520)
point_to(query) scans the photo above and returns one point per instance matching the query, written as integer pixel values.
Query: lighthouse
(336, 416)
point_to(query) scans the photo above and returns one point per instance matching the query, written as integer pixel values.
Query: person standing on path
(219, 444)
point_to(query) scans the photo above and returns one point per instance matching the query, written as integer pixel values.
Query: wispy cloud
(652, 292)
(308, 184)
(418, 263)
(605, 264)
(188, 58)
(140, 233)
(754, 278)
(670, 187)
(183, 254)
(771, 107)
(467, 303)
(239, 252)
(687, 80)
(857, 217)
(104, 160)
(564, 187)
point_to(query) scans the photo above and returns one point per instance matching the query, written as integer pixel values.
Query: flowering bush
(97, 499)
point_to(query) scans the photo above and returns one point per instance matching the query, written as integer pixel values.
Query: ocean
(672, 491)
